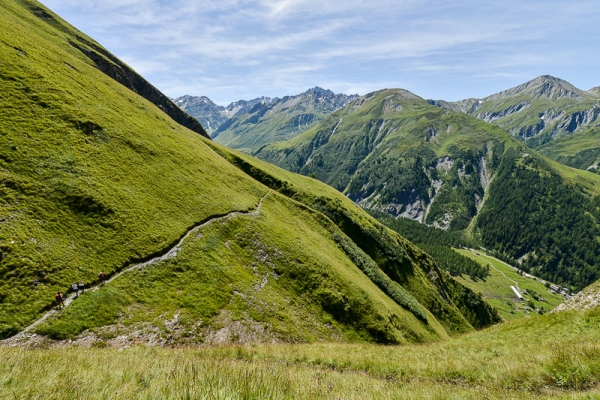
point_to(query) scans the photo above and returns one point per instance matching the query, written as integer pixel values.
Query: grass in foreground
(496, 288)
(554, 356)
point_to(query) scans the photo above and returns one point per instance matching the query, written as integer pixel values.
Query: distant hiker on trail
(81, 287)
(59, 300)
(101, 277)
(75, 289)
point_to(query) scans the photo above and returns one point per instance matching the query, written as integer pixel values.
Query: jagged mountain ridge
(245, 125)
(211, 115)
(541, 111)
(393, 152)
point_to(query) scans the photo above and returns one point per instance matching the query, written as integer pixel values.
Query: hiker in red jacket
(59, 300)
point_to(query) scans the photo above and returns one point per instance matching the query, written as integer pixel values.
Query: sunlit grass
(554, 356)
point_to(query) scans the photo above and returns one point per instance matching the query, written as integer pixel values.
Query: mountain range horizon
(547, 77)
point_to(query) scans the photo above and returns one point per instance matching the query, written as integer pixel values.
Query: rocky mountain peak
(545, 86)
(320, 91)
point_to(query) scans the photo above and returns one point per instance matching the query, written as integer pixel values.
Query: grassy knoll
(554, 356)
(496, 287)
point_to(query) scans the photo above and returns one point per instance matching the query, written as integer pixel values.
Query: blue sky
(239, 49)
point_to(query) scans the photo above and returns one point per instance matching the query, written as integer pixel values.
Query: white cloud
(230, 49)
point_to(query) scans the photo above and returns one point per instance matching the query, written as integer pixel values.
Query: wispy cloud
(232, 49)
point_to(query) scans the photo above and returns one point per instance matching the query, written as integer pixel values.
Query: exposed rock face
(587, 298)
(492, 116)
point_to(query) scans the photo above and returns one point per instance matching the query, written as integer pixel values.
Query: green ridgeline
(94, 177)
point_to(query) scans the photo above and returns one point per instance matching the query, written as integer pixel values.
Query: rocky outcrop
(491, 116)
(587, 298)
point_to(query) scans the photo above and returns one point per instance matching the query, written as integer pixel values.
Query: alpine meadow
(314, 246)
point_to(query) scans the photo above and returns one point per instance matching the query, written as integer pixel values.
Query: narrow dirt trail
(170, 253)
(492, 265)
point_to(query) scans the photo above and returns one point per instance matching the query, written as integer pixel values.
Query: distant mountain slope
(580, 150)
(392, 152)
(95, 177)
(210, 115)
(541, 111)
(247, 125)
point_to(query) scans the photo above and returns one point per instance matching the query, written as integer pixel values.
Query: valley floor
(496, 288)
(552, 356)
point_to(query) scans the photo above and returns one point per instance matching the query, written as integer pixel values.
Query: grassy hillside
(95, 177)
(553, 356)
(92, 176)
(274, 273)
(377, 248)
(393, 153)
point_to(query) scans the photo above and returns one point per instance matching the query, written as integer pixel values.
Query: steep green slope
(254, 278)
(95, 177)
(278, 119)
(92, 176)
(542, 111)
(392, 152)
(377, 248)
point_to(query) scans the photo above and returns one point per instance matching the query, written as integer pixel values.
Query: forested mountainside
(549, 114)
(392, 152)
(251, 124)
(198, 243)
